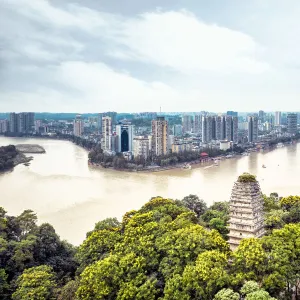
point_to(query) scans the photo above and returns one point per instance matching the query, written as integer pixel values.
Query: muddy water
(72, 196)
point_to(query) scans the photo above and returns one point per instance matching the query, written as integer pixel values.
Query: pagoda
(246, 210)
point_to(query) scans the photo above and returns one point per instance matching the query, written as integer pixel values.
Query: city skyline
(61, 56)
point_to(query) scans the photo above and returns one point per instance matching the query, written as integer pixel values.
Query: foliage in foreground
(166, 250)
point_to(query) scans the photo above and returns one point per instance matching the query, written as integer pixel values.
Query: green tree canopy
(36, 283)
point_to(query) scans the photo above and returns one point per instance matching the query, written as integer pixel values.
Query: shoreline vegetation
(13, 155)
(167, 250)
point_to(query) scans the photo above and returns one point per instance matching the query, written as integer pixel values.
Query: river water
(64, 191)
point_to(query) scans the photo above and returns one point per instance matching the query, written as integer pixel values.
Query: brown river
(64, 191)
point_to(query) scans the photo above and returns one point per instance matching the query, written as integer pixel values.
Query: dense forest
(7, 156)
(169, 249)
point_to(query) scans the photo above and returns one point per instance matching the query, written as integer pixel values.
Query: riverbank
(153, 169)
(21, 158)
(208, 162)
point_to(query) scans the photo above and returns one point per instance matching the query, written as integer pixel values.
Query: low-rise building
(141, 147)
(182, 146)
(224, 145)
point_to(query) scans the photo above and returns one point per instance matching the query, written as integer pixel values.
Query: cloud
(62, 56)
(92, 87)
(177, 39)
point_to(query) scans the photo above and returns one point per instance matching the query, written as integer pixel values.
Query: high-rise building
(112, 115)
(99, 122)
(177, 130)
(252, 129)
(232, 113)
(125, 133)
(78, 126)
(13, 122)
(231, 129)
(207, 129)
(292, 120)
(218, 121)
(37, 126)
(171, 140)
(277, 118)
(261, 116)
(141, 147)
(197, 124)
(21, 123)
(246, 210)
(187, 123)
(159, 136)
(106, 133)
(4, 126)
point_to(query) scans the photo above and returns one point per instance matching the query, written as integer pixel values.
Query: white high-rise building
(106, 133)
(277, 118)
(37, 125)
(125, 133)
(4, 126)
(78, 126)
(160, 133)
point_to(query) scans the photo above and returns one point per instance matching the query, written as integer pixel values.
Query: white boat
(280, 145)
(229, 156)
(187, 167)
(263, 166)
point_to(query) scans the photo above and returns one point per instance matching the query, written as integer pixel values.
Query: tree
(249, 261)
(98, 245)
(192, 202)
(3, 284)
(108, 223)
(209, 274)
(293, 216)
(68, 291)
(227, 294)
(288, 202)
(274, 219)
(27, 222)
(259, 295)
(37, 283)
(249, 287)
(50, 250)
(270, 203)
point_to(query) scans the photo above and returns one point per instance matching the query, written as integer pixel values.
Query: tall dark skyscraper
(292, 120)
(252, 129)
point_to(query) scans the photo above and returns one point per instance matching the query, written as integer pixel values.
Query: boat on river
(263, 166)
(187, 167)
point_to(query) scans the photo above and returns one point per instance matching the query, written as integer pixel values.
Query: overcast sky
(134, 55)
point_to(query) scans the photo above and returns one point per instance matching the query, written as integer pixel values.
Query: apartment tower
(159, 136)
